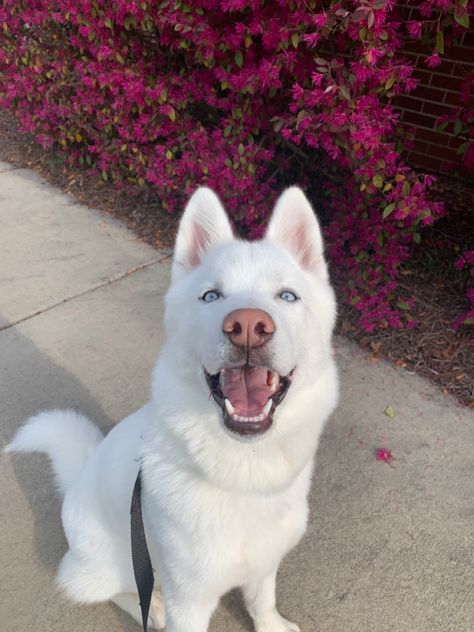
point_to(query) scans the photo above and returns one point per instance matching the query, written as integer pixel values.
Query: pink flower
(433, 61)
(414, 29)
(320, 20)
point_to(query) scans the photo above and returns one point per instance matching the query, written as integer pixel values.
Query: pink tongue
(246, 389)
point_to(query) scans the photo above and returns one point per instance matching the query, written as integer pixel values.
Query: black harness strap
(142, 568)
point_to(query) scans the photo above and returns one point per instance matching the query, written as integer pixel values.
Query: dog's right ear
(204, 225)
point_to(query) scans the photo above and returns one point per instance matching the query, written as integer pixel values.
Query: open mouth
(248, 396)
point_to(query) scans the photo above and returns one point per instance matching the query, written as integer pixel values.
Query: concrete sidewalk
(389, 549)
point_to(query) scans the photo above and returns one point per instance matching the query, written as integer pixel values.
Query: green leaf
(388, 209)
(241, 149)
(403, 305)
(172, 114)
(300, 116)
(239, 58)
(462, 148)
(295, 40)
(440, 42)
(108, 23)
(389, 83)
(457, 126)
(277, 123)
(345, 91)
(417, 238)
(389, 411)
(462, 19)
(406, 188)
(377, 181)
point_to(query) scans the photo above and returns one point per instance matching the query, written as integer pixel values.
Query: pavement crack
(98, 286)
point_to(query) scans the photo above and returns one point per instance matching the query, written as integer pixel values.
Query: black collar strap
(142, 568)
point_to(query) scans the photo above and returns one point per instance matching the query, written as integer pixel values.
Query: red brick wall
(435, 95)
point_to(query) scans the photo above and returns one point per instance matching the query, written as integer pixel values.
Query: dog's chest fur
(224, 538)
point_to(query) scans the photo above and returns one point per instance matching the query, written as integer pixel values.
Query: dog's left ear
(204, 225)
(294, 226)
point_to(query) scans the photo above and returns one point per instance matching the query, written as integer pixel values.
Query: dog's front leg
(186, 612)
(260, 598)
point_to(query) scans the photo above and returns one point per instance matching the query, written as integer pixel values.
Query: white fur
(67, 437)
(220, 511)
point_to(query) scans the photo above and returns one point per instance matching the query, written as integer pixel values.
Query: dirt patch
(434, 349)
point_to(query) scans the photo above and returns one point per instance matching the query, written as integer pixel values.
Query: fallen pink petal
(384, 454)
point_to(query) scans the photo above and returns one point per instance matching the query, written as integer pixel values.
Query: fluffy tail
(66, 436)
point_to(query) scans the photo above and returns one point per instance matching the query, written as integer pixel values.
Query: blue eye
(288, 296)
(210, 296)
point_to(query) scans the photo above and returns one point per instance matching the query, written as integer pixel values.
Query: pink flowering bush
(240, 95)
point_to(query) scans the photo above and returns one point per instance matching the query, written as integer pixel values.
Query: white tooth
(230, 409)
(266, 408)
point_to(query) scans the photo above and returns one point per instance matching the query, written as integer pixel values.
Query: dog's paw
(276, 623)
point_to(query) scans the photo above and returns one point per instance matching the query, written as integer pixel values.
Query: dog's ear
(294, 226)
(204, 225)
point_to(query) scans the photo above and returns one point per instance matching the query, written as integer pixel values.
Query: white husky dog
(226, 445)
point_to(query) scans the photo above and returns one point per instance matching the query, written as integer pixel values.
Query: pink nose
(248, 327)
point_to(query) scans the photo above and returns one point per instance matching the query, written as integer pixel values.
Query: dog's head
(254, 318)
